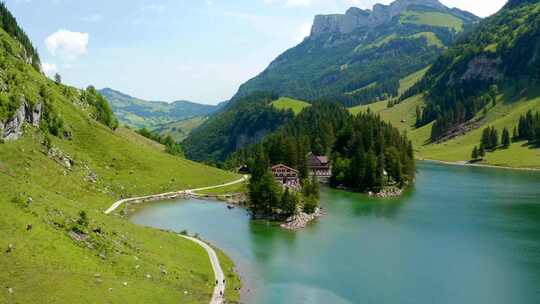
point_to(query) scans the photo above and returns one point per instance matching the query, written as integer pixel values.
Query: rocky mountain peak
(355, 17)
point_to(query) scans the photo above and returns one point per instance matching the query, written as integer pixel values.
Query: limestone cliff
(356, 18)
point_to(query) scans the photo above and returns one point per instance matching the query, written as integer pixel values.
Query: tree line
(528, 128)
(10, 25)
(268, 199)
(171, 146)
(367, 153)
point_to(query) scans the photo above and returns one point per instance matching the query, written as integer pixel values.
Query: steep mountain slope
(360, 56)
(488, 78)
(61, 165)
(139, 113)
(502, 53)
(239, 124)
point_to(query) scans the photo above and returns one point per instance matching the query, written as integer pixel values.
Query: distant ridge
(139, 113)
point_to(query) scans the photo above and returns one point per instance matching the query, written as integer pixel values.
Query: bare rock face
(12, 129)
(483, 68)
(356, 18)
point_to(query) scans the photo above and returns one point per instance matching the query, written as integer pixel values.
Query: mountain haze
(139, 113)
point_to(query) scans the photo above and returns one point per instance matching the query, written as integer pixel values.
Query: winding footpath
(219, 289)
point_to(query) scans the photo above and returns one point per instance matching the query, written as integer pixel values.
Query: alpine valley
(326, 178)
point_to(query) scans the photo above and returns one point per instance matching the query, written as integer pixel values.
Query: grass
(63, 261)
(236, 188)
(381, 106)
(375, 107)
(432, 19)
(407, 82)
(504, 114)
(431, 38)
(179, 130)
(286, 103)
(369, 86)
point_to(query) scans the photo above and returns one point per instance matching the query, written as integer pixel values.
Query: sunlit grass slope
(505, 113)
(51, 252)
(286, 103)
(179, 130)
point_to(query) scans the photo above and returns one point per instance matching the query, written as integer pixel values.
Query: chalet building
(287, 176)
(320, 167)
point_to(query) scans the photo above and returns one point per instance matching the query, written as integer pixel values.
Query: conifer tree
(505, 140)
(475, 153)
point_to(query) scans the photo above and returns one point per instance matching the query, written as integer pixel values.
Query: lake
(461, 235)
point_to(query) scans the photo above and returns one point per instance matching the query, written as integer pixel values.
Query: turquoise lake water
(461, 235)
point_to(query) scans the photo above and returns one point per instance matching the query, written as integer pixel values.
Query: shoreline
(218, 294)
(466, 164)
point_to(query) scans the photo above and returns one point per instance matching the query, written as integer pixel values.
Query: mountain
(488, 78)
(359, 56)
(241, 123)
(63, 161)
(179, 130)
(138, 113)
(502, 52)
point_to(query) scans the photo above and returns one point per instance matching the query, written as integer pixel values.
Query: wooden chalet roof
(285, 167)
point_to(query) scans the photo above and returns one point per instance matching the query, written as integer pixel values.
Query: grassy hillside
(139, 113)
(286, 103)
(501, 52)
(179, 130)
(404, 84)
(56, 244)
(505, 113)
(432, 19)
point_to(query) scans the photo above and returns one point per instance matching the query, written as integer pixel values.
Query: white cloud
(209, 2)
(67, 44)
(49, 68)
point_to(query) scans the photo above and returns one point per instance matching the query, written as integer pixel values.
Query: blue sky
(198, 50)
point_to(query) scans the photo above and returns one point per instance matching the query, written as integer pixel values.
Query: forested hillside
(359, 57)
(367, 154)
(501, 56)
(244, 122)
(63, 161)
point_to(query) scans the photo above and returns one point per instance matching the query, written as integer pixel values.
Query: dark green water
(462, 235)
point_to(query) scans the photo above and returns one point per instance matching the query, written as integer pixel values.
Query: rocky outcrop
(387, 192)
(301, 220)
(61, 158)
(356, 18)
(483, 68)
(12, 129)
